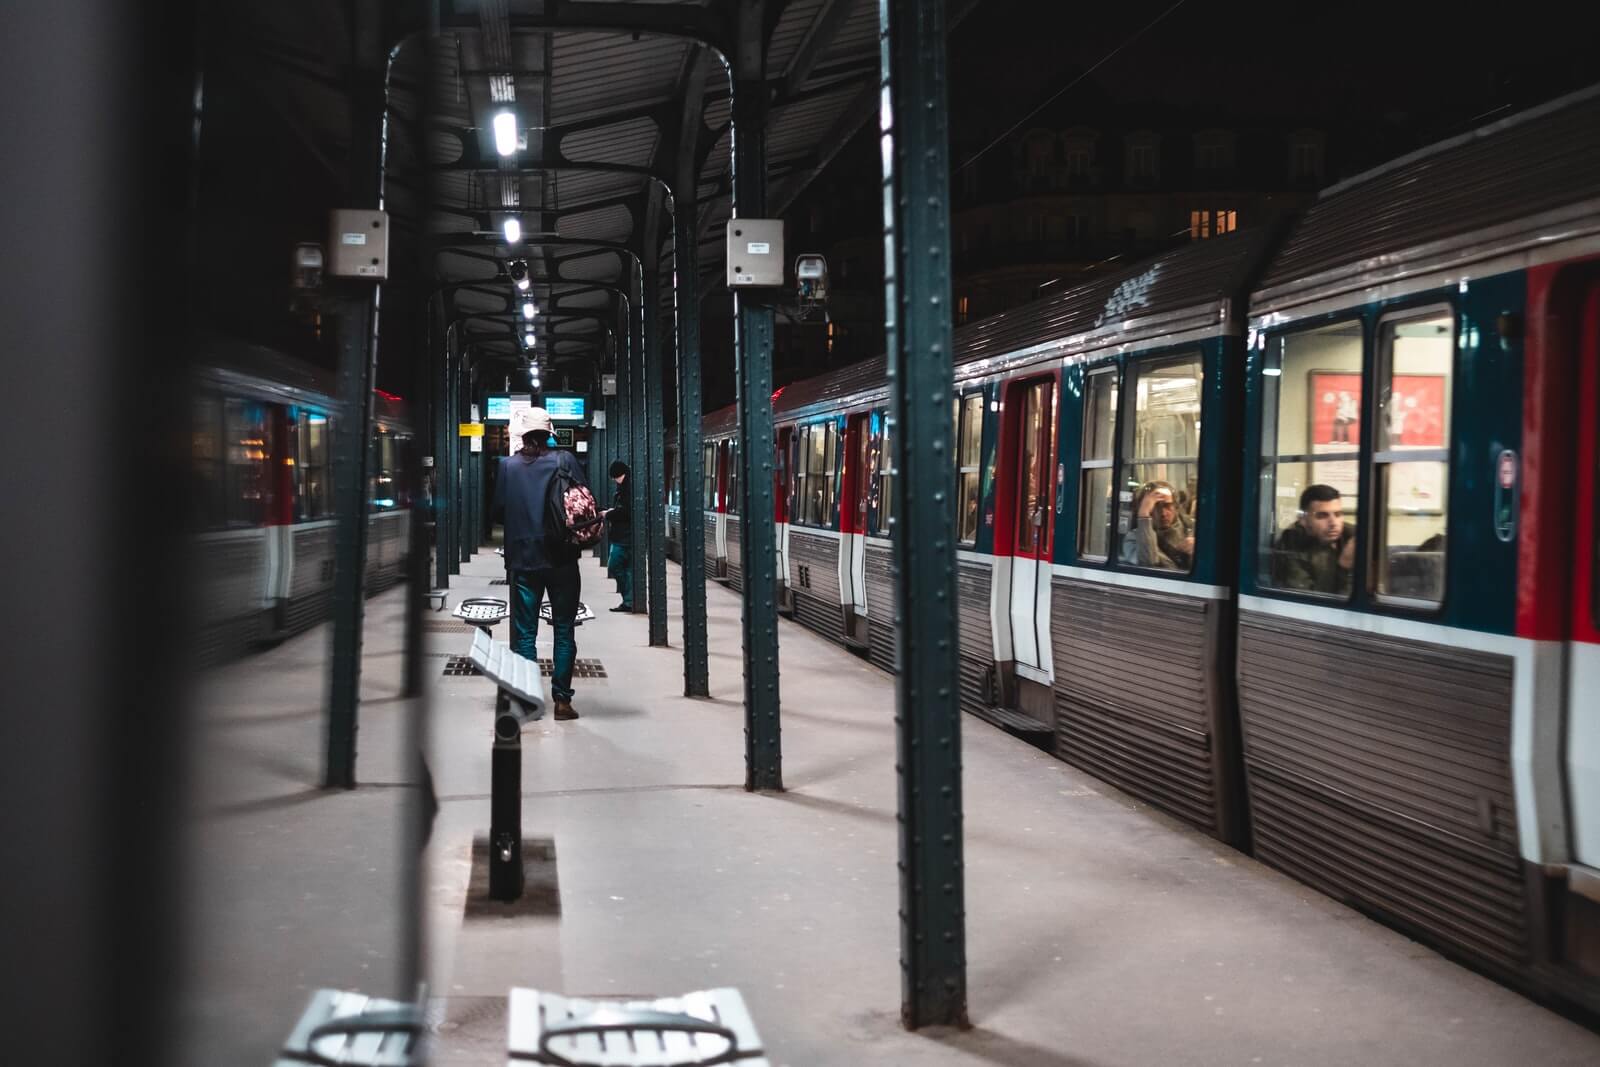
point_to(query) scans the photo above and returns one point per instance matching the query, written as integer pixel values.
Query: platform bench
(711, 1026)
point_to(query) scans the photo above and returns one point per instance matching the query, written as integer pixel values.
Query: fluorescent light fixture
(513, 231)
(1272, 372)
(528, 310)
(524, 282)
(505, 133)
(527, 339)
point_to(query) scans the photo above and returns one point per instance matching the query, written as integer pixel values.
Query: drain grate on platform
(459, 666)
(583, 668)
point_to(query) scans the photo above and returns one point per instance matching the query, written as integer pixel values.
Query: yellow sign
(472, 429)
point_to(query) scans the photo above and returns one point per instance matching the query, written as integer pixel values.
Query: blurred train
(263, 509)
(1406, 378)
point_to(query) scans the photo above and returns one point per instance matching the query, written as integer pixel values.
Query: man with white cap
(536, 564)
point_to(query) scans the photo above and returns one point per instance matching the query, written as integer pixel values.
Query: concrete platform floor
(1099, 931)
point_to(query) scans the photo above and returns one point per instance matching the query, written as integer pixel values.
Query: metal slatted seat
(341, 1027)
(708, 1027)
(517, 676)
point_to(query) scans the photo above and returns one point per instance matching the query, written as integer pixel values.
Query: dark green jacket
(1300, 561)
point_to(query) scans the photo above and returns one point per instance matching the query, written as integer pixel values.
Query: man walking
(538, 564)
(619, 527)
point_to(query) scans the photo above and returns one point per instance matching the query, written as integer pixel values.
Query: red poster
(1416, 411)
(1335, 411)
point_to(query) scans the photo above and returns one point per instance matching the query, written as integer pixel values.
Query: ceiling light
(528, 310)
(527, 339)
(513, 231)
(505, 133)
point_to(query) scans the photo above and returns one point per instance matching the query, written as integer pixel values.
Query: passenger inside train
(1317, 552)
(1163, 535)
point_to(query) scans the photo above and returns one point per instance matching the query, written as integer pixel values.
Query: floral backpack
(573, 519)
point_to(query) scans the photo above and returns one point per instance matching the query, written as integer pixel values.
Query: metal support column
(691, 514)
(916, 203)
(357, 315)
(758, 538)
(463, 466)
(443, 471)
(639, 441)
(620, 423)
(655, 513)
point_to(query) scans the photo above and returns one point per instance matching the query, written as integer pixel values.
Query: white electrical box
(755, 253)
(358, 244)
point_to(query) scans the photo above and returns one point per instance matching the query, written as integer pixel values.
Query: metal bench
(482, 611)
(437, 598)
(712, 1026)
(520, 699)
(340, 1027)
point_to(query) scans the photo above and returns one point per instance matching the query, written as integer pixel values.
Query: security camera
(307, 269)
(811, 267)
(518, 269)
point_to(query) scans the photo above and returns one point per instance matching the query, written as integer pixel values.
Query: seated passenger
(1162, 535)
(1318, 552)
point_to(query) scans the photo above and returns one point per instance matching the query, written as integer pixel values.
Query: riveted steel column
(464, 546)
(444, 433)
(691, 516)
(639, 440)
(357, 314)
(933, 960)
(655, 513)
(758, 536)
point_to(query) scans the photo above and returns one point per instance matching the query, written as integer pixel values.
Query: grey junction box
(358, 242)
(755, 253)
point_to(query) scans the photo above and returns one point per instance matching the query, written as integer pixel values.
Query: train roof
(264, 373)
(1190, 290)
(1506, 188)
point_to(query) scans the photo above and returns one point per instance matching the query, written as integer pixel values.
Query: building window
(1203, 224)
(1161, 465)
(1079, 159)
(1209, 158)
(1077, 227)
(1226, 222)
(1142, 162)
(1311, 459)
(1199, 225)
(1411, 457)
(963, 309)
(1306, 161)
(1096, 466)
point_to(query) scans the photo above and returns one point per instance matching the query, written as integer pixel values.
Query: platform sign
(563, 437)
(498, 409)
(567, 407)
(471, 429)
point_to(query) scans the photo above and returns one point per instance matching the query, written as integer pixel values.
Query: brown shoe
(564, 711)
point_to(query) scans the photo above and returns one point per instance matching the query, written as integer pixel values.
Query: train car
(719, 494)
(263, 520)
(1417, 691)
(1292, 535)
(674, 520)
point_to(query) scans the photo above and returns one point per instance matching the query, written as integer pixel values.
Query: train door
(1583, 651)
(721, 507)
(1031, 410)
(853, 522)
(780, 504)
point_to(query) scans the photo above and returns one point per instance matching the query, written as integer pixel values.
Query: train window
(1099, 459)
(708, 476)
(1034, 464)
(733, 503)
(1161, 465)
(1411, 457)
(969, 456)
(313, 494)
(384, 484)
(245, 431)
(883, 463)
(206, 453)
(815, 474)
(1311, 459)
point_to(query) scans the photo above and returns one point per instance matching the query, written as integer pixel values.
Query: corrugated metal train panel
(1379, 773)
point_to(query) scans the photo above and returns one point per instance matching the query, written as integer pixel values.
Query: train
(262, 521)
(1292, 534)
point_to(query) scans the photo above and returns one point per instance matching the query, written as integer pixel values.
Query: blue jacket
(522, 492)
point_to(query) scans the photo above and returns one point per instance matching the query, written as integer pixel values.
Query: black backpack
(572, 519)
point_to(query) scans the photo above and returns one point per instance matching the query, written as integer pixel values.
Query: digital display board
(566, 408)
(498, 409)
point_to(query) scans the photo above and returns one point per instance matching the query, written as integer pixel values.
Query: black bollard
(505, 804)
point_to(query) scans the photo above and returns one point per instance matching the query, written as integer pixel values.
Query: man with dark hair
(537, 564)
(1318, 552)
(619, 527)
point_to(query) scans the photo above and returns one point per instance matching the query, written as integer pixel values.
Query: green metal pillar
(758, 535)
(464, 545)
(357, 316)
(443, 481)
(916, 208)
(655, 514)
(639, 442)
(622, 412)
(691, 516)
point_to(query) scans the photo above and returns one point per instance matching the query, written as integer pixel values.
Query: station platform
(1100, 932)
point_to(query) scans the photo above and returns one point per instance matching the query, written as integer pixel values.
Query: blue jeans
(620, 567)
(528, 589)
